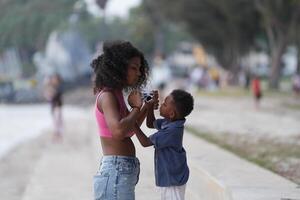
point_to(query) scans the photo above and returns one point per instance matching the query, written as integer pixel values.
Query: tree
(225, 28)
(280, 19)
(26, 24)
(156, 19)
(141, 30)
(151, 33)
(296, 39)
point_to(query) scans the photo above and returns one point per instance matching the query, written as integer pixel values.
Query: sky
(113, 7)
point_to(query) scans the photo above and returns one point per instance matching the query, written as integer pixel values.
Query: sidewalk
(65, 171)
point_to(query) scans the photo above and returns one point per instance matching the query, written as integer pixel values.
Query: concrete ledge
(205, 186)
(220, 175)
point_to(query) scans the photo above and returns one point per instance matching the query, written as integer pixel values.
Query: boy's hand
(155, 99)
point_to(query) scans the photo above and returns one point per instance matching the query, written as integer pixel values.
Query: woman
(120, 68)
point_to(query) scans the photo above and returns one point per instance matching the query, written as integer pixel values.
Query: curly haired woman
(121, 67)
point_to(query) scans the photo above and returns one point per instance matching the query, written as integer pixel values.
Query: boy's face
(167, 108)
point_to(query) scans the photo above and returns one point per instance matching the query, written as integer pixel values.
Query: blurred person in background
(205, 81)
(195, 78)
(215, 77)
(54, 94)
(256, 90)
(160, 74)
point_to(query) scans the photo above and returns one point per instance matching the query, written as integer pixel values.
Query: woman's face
(133, 71)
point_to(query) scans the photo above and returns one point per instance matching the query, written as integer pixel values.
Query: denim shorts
(116, 178)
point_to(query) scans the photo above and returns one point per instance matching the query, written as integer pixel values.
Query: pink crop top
(102, 125)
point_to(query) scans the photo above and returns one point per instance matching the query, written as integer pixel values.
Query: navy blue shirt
(170, 157)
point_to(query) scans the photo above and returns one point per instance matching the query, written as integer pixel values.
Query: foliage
(225, 28)
(146, 23)
(138, 28)
(229, 29)
(280, 20)
(28, 23)
(141, 30)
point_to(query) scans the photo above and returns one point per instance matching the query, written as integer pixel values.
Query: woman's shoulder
(105, 94)
(106, 97)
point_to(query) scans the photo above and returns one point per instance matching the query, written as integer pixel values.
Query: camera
(147, 96)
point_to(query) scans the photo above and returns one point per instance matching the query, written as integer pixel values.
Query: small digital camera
(147, 96)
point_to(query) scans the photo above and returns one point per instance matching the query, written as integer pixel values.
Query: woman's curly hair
(111, 67)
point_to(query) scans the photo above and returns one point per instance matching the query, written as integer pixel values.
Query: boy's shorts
(172, 192)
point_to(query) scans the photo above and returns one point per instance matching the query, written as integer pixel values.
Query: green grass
(234, 91)
(226, 92)
(291, 106)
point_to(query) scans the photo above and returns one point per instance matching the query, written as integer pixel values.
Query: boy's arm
(150, 117)
(153, 105)
(143, 139)
(163, 139)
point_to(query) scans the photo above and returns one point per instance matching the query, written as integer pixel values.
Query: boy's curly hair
(111, 67)
(184, 102)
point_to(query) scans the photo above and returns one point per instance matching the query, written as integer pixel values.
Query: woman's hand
(135, 99)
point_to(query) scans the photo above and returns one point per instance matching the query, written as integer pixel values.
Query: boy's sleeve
(162, 139)
(157, 123)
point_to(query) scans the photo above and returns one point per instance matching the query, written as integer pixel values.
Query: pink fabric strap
(101, 122)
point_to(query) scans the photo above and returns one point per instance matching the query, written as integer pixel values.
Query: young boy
(171, 170)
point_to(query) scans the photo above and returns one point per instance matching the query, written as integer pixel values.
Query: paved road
(20, 123)
(238, 115)
(65, 171)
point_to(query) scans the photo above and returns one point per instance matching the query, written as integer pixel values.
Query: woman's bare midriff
(112, 146)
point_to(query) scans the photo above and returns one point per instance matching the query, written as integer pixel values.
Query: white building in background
(259, 62)
(290, 61)
(182, 59)
(67, 54)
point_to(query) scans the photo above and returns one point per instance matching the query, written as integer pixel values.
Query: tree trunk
(158, 41)
(298, 60)
(235, 68)
(157, 20)
(276, 64)
(230, 59)
(28, 67)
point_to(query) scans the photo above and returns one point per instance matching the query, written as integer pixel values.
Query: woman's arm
(142, 115)
(153, 104)
(118, 126)
(143, 139)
